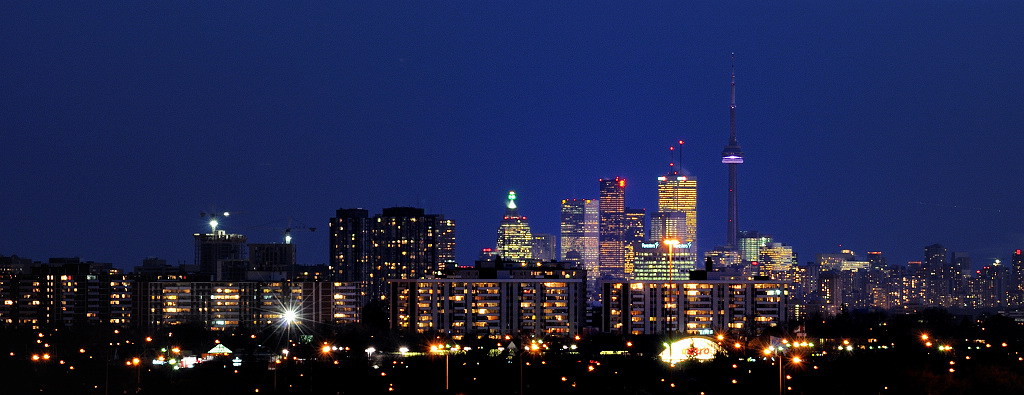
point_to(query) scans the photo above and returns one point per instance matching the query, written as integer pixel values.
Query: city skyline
(862, 129)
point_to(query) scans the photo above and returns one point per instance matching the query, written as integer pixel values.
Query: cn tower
(732, 155)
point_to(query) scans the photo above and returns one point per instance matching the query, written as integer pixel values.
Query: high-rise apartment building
(611, 249)
(406, 246)
(961, 261)
(1017, 277)
(493, 300)
(255, 305)
(64, 292)
(935, 256)
(514, 237)
(401, 242)
(877, 260)
(694, 307)
(943, 278)
(991, 285)
(445, 243)
(351, 245)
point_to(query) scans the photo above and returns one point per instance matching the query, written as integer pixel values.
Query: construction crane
(213, 218)
(289, 229)
(293, 226)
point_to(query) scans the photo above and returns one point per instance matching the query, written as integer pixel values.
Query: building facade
(515, 241)
(697, 307)
(65, 292)
(677, 209)
(401, 242)
(226, 305)
(543, 247)
(612, 228)
(493, 300)
(220, 254)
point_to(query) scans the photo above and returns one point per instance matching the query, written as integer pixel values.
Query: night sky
(867, 125)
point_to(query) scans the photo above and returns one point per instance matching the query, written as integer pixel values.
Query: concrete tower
(732, 155)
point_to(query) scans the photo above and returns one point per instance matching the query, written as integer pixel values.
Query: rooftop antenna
(680, 157)
(671, 157)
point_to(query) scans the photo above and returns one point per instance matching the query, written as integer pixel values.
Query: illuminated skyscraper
(633, 235)
(635, 223)
(612, 227)
(778, 261)
(591, 238)
(724, 257)
(677, 207)
(543, 248)
(572, 229)
(514, 237)
(749, 245)
(579, 235)
(652, 262)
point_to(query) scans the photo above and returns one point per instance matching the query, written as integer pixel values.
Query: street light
(795, 360)
(138, 373)
(439, 348)
(671, 243)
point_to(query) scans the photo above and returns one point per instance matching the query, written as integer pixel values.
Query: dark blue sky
(872, 125)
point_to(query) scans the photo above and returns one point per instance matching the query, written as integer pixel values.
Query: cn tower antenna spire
(732, 104)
